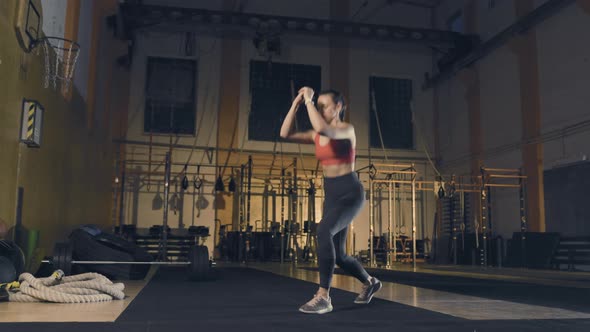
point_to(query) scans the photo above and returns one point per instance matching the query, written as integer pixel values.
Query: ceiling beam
(137, 16)
(531, 20)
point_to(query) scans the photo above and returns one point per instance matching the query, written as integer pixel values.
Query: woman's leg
(338, 215)
(347, 263)
(344, 199)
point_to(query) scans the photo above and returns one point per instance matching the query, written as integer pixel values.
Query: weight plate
(62, 257)
(200, 268)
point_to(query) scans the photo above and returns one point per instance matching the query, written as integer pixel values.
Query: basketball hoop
(60, 60)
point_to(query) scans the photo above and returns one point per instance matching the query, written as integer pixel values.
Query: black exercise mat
(249, 300)
(256, 298)
(576, 299)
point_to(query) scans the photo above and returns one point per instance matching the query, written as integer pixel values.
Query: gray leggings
(344, 197)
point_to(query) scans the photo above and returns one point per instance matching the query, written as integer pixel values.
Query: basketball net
(60, 61)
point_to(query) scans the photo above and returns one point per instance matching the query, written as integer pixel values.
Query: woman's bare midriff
(332, 171)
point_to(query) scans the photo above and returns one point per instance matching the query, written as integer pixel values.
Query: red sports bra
(337, 151)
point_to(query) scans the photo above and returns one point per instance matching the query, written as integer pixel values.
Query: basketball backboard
(28, 22)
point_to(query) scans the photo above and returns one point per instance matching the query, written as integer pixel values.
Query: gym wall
(67, 181)
(563, 101)
(85, 25)
(366, 58)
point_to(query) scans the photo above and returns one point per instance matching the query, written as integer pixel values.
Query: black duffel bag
(14, 254)
(91, 244)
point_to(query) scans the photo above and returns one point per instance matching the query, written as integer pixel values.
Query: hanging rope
(81, 288)
(208, 142)
(245, 130)
(374, 103)
(200, 121)
(274, 155)
(150, 163)
(422, 138)
(298, 144)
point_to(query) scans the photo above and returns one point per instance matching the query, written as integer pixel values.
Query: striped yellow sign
(31, 120)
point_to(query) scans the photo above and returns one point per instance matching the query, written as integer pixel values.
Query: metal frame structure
(390, 170)
(501, 178)
(391, 175)
(482, 185)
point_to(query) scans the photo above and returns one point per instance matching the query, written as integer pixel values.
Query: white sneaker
(369, 289)
(317, 305)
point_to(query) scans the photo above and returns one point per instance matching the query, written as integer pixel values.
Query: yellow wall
(67, 182)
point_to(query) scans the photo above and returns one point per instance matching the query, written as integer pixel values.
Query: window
(170, 106)
(271, 90)
(390, 98)
(455, 22)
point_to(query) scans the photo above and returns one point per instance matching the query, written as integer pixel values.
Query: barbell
(198, 264)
